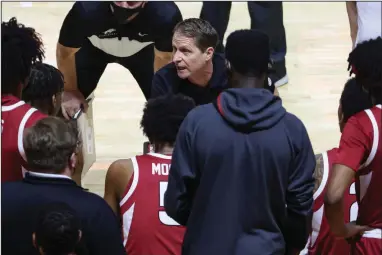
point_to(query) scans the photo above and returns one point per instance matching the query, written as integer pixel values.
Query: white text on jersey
(160, 169)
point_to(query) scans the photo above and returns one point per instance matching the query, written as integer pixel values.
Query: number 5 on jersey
(163, 217)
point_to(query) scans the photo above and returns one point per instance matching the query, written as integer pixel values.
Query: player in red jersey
(135, 187)
(360, 157)
(20, 47)
(322, 241)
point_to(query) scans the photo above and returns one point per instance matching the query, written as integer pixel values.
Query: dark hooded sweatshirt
(241, 177)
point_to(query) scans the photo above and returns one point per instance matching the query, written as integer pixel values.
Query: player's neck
(203, 77)
(240, 81)
(165, 150)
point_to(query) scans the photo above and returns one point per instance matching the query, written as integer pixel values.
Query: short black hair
(21, 47)
(201, 30)
(247, 51)
(162, 117)
(57, 230)
(354, 99)
(44, 82)
(365, 61)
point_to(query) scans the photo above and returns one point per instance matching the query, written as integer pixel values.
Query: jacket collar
(42, 178)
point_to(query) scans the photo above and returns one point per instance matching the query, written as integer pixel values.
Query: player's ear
(79, 235)
(209, 53)
(54, 100)
(34, 239)
(73, 161)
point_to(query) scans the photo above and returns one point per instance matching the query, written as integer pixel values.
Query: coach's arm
(69, 42)
(299, 196)
(182, 179)
(72, 35)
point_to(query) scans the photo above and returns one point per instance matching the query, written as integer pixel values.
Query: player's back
(322, 241)
(147, 229)
(16, 115)
(369, 176)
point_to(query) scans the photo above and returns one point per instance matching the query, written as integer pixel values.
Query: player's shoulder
(168, 75)
(293, 123)
(90, 9)
(119, 168)
(168, 71)
(163, 15)
(200, 114)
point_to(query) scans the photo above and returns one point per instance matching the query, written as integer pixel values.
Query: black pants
(91, 63)
(265, 16)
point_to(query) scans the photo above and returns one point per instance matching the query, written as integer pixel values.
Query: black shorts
(91, 63)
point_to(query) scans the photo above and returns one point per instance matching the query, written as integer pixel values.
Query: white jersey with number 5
(147, 229)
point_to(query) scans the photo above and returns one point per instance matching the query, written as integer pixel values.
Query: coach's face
(187, 57)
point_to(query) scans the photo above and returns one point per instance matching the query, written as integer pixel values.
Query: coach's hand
(72, 101)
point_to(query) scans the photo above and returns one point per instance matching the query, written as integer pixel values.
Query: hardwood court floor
(318, 40)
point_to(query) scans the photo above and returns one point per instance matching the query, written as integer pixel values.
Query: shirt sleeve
(163, 42)
(183, 176)
(104, 232)
(299, 195)
(355, 144)
(72, 32)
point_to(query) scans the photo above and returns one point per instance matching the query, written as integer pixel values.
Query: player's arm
(70, 41)
(299, 196)
(352, 15)
(117, 177)
(183, 177)
(318, 172)
(163, 42)
(353, 146)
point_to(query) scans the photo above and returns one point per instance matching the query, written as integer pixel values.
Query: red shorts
(369, 244)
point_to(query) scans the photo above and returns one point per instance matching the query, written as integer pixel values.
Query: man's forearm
(66, 64)
(297, 230)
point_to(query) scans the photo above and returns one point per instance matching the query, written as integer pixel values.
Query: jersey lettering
(160, 169)
(163, 217)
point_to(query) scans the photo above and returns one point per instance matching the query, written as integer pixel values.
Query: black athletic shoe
(279, 77)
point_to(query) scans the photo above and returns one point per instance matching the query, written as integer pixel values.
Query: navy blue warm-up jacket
(241, 177)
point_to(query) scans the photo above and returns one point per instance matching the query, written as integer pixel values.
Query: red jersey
(322, 241)
(147, 229)
(361, 150)
(16, 115)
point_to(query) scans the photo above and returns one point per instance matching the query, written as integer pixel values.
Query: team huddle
(228, 169)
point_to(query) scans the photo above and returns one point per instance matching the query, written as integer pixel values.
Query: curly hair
(162, 117)
(21, 47)
(365, 61)
(354, 99)
(44, 82)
